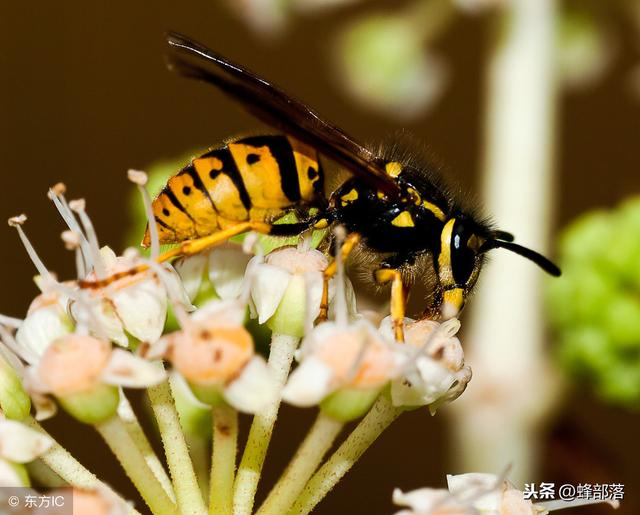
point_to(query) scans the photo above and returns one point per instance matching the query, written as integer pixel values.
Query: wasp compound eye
(464, 250)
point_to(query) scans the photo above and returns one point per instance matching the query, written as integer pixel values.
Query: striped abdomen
(250, 179)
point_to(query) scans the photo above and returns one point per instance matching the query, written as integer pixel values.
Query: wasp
(395, 211)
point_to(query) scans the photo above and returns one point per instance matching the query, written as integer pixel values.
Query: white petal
(254, 389)
(158, 349)
(40, 328)
(267, 289)
(183, 390)
(313, 283)
(109, 257)
(104, 321)
(9, 478)
(436, 379)
(125, 369)
(386, 327)
(175, 288)
(21, 444)
(142, 308)
(44, 405)
(191, 271)
(421, 501)
(309, 383)
(472, 485)
(405, 393)
(226, 271)
(223, 313)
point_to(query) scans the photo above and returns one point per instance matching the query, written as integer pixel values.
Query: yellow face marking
(444, 258)
(393, 168)
(474, 242)
(380, 194)
(307, 167)
(321, 224)
(404, 219)
(415, 196)
(349, 197)
(438, 213)
(260, 173)
(452, 302)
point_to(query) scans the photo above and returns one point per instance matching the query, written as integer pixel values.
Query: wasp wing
(272, 106)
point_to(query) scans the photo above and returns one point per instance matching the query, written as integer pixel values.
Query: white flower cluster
(124, 317)
(477, 494)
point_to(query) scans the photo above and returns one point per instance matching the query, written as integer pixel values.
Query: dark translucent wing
(275, 108)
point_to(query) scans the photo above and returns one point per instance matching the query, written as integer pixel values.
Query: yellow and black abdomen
(250, 179)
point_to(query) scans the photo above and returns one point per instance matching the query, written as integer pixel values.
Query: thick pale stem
(185, 483)
(128, 417)
(115, 434)
(381, 415)
(318, 441)
(200, 454)
(507, 326)
(246, 484)
(223, 460)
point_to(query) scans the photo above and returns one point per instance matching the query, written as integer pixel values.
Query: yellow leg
(398, 299)
(348, 245)
(186, 248)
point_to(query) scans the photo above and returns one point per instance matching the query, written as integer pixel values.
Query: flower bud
(71, 368)
(287, 288)
(14, 400)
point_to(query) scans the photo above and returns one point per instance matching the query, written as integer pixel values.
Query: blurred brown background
(84, 95)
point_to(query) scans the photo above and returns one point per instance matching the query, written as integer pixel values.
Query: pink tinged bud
(208, 355)
(72, 368)
(358, 358)
(343, 369)
(99, 501)
(73, 363)
(88, 501)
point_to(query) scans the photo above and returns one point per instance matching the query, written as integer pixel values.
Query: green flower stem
(200, 454)
(246, 484)
(184, 478)
(60, 461)
(41, 474)
(128, 417)
(382, 414)
(115, 434)
(318, 441)
(223, 459)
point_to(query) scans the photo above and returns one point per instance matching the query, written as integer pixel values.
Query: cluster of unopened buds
(188, 333)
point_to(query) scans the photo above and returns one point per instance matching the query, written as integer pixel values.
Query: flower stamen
(79, 206)
(17, 222)
(140, 179)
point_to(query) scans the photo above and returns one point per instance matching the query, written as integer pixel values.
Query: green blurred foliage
(595, 305)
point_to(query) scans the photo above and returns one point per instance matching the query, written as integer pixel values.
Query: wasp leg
(186, 248)
(348, 245)
(398, 298)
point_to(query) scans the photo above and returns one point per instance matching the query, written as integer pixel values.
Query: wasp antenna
(546, 264)
(502, 235)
